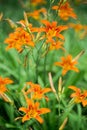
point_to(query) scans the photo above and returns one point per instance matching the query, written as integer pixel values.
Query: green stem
(38, 60)
(59, 108)
(37, 63)
(45, 58)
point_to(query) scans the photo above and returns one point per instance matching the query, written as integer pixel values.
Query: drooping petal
(43, 110)
(46, 90)
(25, 118)
(39, 119)
(23, 109)
(74, 88)
(37, 105)
(84, 103)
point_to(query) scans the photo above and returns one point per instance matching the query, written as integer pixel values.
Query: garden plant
(43, 65)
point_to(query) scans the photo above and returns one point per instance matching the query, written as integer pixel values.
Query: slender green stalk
(45, 59)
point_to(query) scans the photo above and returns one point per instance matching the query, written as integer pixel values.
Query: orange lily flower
(65, 11)
(36, 14)
(80, 29)
(18, 39)
(77, 27)
(52, 30)
(36, 91)
(33, 111)
(37, 2)
(67, 64)
(3, 83)
(27, 25)
(3, 89)
(79, 97)
(56, 45)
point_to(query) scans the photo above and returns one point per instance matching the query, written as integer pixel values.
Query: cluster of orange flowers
(21, 37)
(32, 110)
(65, 11)
(24, 37)
(52, 34)
(18, 39)
(36, 14)
(32, 95)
